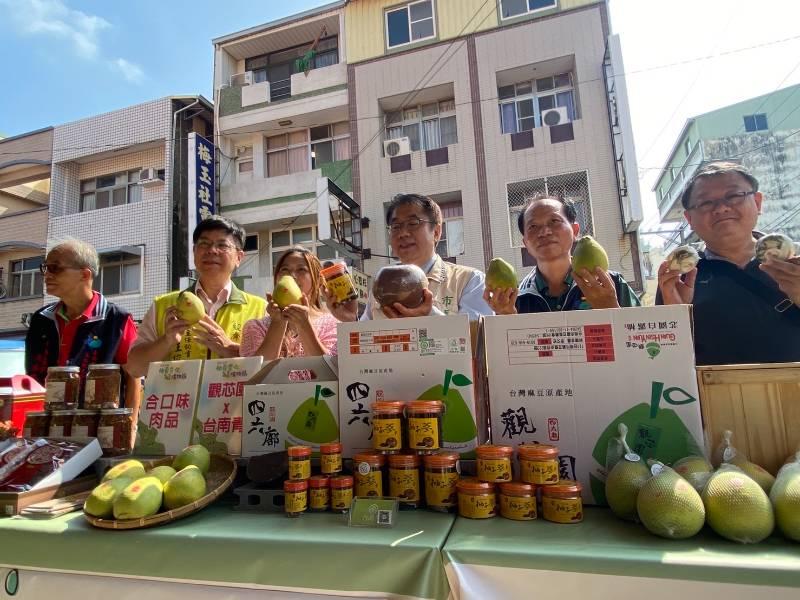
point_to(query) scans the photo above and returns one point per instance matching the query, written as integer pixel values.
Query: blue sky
(62, 60)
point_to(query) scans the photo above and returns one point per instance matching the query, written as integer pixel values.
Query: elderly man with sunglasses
(82, 327)
(745, 311)
(218, 250)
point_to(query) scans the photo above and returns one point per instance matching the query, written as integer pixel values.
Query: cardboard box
(167, 412)
(760, 404)
(218, 422)
(291, 401)
(569, 379)
(407, 359)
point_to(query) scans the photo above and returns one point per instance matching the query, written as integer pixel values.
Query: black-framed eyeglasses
(411, 224)
(730, 200)
(56, 269)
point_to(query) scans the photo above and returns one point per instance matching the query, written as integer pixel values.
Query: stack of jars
(478, 497)
(327, 490)
(69, 416)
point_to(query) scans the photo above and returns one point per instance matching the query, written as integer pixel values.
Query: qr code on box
(384, 517)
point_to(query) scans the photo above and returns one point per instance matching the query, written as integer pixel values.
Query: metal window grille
(571, 186)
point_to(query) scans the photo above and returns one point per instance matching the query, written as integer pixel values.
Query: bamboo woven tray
(219, 477)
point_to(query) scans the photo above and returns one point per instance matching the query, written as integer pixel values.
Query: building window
(281, 241)
(411, 23)
(756, 122)
(307, 149)
(251, 243)
(451, 244)
(26, 278)
(110, 190)
(522, 104)
(514, 8)
(120, 273)
(427, 126)
(571, 186)
(244, 163)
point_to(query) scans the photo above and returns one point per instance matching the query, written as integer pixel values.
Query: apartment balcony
(670, 208)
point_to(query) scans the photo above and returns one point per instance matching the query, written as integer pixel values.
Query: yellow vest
(447, 281)
(240, 308)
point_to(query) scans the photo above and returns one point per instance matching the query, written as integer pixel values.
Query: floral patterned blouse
(255, 331)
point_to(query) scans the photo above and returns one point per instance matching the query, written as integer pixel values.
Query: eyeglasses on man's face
(56, 269)
(411, 224)
(220, 246)
(731, 200)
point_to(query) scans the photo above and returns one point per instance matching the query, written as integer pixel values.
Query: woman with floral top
(304, 329)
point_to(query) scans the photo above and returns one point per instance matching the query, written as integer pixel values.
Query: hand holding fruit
(786, 274)
(213, 337)
(597, 287)
(274, 311)
(174, 326)
(398, 310)
(298, 315)
(674, 288)
(502, 301)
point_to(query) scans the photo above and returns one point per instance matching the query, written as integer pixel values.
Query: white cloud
(54, 19)
(131, 72)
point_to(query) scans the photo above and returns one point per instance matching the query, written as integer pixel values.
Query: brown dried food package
(26, 463)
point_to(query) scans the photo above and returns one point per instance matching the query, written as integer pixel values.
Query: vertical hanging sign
(202, 190)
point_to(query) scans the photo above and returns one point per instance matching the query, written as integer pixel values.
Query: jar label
(55, 392)
(494, 469)
(105, 435)
(341, 287)
(56, 431)
(440, 489)
(562, 510)
(89, 396)
(386, 434)
(423, 433)
(299, 469)
(519, 508)
(370, 484)
(404, 484)
(540, 472)
(80, 432)
(320, 498)
(477, 507)
(330, 463)
(341, 498)
(296, 501)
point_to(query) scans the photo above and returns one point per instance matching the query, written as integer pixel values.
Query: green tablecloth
(218, 545)
(603, 544)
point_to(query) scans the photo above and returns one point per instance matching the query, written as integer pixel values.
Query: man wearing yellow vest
(218, 250)
(414, 224)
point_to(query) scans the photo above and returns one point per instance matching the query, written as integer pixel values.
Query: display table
(605, 558)
(218, 548)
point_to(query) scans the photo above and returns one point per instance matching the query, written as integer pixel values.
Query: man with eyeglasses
(82, 327)
(218, 250)
(414, 228)
(744, 311)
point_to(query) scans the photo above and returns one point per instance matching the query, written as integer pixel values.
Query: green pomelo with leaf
(100, 502)
(313, 420)
(458, 424)
(185, 487)
(140, 499)
(132, 469)
(500, 275)
(193, 455)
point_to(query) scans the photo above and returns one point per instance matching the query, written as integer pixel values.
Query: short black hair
(218, 223)
(567, 206)
(428, 206)
(712, 169)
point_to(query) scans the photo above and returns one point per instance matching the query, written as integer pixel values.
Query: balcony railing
(690, 166)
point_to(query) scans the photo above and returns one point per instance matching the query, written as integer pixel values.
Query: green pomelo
(190, 307)
(785, 497)
(694, 469)
(186, 486)
(623, 485)
(286, 292)
(458, 424)
(132, 469)
(163, 473)
(670, 507)
(100, 502)
(193, 455)
(313, 421)
(588, 254)
(758, 474)
(500, 275)
(737, 508)
(140, 499)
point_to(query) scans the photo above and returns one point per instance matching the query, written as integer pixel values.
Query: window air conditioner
(397, 147)
(150, 177)
(242, 79)
(555, 116)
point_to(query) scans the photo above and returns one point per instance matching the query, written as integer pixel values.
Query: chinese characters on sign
(268, 435)
(201, 183)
